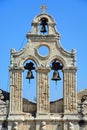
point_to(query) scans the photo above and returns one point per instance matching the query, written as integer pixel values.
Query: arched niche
(57, 90)
(16, 83)
(43, 25)
(56, 87)
(36, 25)
(29, 57)
(28, 84)
(29, 88)
(56, 83)
(59, 58)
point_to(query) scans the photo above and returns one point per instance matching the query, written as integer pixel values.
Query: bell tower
(43, 33)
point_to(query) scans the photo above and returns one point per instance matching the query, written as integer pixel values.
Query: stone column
(43, 103)
(65, 125)
(70, 94)
(16, 90)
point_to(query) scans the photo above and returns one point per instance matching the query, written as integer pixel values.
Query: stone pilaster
(43, 103)
(65, 125)
(70, 94)
(16, 90)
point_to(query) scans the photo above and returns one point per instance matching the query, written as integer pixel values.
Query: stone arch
(58, 58)
(28, 83)
(47, 16)
(30, 57)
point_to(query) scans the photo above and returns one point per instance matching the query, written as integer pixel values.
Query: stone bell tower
(43, 34)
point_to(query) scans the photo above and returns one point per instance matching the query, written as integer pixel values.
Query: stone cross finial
(43, 8)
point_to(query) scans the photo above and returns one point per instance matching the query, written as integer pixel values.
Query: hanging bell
(56, 76)
(43, 25)
(43, 29)
(29, 75)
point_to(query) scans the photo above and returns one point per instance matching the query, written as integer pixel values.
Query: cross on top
(43, 8)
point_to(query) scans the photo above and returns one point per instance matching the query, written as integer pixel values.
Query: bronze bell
(43, 25)
(43, 29)
(29, 75)
(56, 76)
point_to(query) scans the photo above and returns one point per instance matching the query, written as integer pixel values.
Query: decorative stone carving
(84, 105)
(3, 105)
(71, 126)
(43, 125)
(15, 126)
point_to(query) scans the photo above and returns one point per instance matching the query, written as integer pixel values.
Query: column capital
(70, 69)
(16, 68)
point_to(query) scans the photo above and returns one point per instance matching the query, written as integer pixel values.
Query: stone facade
(72, 115)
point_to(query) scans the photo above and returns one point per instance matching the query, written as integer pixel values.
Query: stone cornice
(71, 68)
(41, 38)
(44, 69)
(14, 68)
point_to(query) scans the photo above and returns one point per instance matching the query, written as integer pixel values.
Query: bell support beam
(70, 94)
(16, 90)
(43, 103)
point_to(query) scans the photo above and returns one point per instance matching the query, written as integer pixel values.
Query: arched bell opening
(29, 87)
(43, 26)
(56, 86)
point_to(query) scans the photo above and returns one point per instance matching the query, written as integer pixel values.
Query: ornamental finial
(43, 8)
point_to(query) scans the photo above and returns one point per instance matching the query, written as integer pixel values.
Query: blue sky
(15, 22)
